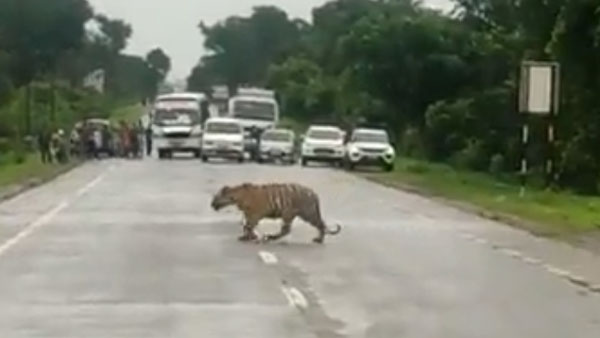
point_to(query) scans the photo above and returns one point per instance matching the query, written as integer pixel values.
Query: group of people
(94, 140)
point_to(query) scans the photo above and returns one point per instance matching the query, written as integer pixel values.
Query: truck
(257, 110)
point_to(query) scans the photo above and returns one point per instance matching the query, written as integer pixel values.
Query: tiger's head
(228, 196)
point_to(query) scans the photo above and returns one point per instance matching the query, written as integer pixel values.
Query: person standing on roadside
(97, 136)
(148, 136)
(44, 140)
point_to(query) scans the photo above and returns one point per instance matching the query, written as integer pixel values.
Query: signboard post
(539, 92)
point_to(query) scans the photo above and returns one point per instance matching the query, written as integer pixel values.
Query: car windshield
(165, 117)
(223, 128)
(252, 110)
(325, 134)
(370, 137)
(277, 136)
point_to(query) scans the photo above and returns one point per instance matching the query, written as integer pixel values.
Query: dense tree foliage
(47, 48)
(444, 84)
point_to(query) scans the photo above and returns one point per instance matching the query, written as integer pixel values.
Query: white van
(177, 123)
(223, 138)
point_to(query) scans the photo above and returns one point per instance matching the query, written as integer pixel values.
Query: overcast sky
(173, 24)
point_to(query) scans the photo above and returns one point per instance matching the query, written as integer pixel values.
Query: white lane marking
(531, 260)
(268, 258)
(556, 271)
(41, 221)
(481, 241)
(512, 253)
(45, 218)
(85, 189)
(295, 297)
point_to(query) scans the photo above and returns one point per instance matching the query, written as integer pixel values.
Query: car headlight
(390, 152)
(209, 143)
(354, 151)
(156, 132)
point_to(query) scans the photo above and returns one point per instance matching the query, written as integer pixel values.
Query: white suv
(323, 144)
(223, 138)
(370, 147)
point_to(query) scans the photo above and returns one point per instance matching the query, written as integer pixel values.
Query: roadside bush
(412, 143)
(445, 123)
(497, 164)
(578, 169)
(472, 157)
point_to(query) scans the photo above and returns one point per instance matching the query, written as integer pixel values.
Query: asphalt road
(132, 249)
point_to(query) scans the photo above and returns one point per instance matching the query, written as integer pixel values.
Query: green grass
(549, 213)
(129, 113)
(14, 174)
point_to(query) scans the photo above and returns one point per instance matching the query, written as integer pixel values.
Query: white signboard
(539, 88)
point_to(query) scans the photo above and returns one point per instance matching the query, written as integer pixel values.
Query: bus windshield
(252, 110)
(164, 117)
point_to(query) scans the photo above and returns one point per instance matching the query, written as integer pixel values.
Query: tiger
(274, 201)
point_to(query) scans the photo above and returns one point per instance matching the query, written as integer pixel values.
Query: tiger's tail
(335, 231)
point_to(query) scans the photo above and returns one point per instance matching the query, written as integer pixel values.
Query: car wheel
(161, 154)
(388, 167)
(204, 158)
(304, 162)
(197, 154)
(241, 159)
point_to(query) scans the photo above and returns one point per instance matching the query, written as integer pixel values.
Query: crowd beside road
(94, 139)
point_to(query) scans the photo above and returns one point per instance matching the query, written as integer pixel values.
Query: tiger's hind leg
(316, 221)
(286, 227)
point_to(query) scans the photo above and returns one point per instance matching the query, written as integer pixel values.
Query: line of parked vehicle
(226, 138)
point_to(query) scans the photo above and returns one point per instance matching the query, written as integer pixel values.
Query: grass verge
(547, 213)
(32, 168)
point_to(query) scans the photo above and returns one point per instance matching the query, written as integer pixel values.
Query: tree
(241, 49)
(158, 60)
(37, 32)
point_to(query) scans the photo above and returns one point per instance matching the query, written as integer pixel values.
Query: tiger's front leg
(249, 227)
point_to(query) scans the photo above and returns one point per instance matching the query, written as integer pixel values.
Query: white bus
(177, 121)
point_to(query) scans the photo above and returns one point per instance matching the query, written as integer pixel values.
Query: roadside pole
(539, 93)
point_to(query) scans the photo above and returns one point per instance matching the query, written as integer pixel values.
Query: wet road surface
(132, 249)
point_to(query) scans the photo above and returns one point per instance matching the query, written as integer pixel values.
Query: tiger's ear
(246, 186)
(225, 189)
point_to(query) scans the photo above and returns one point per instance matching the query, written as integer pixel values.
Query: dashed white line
(556, 271)
(295, 297)
(512, 253)
(481, 241)
(531, 260)
(268, 258)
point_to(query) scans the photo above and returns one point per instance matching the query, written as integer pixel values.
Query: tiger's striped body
(274, 201)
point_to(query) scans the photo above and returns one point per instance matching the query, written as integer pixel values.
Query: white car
(323, 144)
(223, 138)
(277, 144)
(370, 147)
